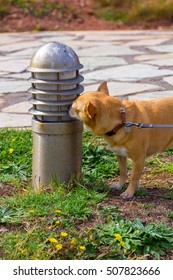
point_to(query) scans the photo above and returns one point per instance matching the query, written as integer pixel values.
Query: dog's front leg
(138, 166)
(123, 173)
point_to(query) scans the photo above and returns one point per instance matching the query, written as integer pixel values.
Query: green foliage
(4, 6)
(161, 166)
(98, 161)
(15, 155)
(133, 238)
(170, 215)
(40, 8)
(33, 7)
(131, 11)
(8, 214)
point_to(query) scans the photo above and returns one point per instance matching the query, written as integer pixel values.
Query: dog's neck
(119, 126)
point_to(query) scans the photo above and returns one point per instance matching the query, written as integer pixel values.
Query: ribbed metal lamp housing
(57, 138)
(55, 82)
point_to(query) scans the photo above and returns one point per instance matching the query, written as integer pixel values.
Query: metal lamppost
(57, 138)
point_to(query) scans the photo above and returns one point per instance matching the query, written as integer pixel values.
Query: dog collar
(117, 127)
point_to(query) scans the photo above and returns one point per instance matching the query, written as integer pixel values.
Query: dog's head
(99, 111)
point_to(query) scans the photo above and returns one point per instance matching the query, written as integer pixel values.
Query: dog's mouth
(72, 113)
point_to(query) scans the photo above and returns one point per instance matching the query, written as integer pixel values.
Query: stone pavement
(137, 64)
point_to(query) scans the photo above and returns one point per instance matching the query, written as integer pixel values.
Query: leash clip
(127, 126)
(139, 125)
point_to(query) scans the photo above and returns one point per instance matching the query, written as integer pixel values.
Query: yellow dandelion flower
(63, 234)
(108, 218)
(58, 222)
(122, 243)
(82, 248)
(57, 211)
(73, 242)
(53, 240)
(91, 237)
(23, 251)
(58, 246)
(31, 211)
(11, 150)
(117, 236)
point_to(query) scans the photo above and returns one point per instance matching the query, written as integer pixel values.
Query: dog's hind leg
(123, 173)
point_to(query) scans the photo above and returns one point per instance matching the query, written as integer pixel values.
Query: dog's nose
(71, 112)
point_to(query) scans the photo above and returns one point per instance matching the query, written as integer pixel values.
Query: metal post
(57, 138)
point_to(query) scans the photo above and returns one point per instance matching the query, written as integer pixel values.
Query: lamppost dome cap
(54, 57)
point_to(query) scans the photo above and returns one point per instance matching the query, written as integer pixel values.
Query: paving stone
(1, 100)
(161, 62)
(14, 65)
(76, 45)
(162, 48)
(15, 120)
(132, 72)
(4, 58)
(92, 63)
(151, 95)
(8, 39)
(2, 73)
(163, 33)
(169, 80)
(153, 56)
(9, 85)
(58, 38)
(16, 46)
(20, 76)
(123, 35)
(48, 34)
(27, 53)
(148, 42)
(108, 50)
(120, 89)
(21, 107)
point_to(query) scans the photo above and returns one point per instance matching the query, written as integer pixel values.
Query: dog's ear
(90, 110)
(103, 88)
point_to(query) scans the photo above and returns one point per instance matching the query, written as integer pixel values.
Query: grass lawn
(81, 222)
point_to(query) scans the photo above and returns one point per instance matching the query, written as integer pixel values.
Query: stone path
(137, 65)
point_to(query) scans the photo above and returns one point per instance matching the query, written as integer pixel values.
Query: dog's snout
(71, 111)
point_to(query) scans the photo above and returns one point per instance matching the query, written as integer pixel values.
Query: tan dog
(101, 113)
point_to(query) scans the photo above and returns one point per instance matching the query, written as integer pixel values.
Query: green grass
(133, 11)
(15, 155)
(160, 165)
(66, 221)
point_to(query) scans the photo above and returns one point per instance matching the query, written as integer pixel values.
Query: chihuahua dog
(106, 116)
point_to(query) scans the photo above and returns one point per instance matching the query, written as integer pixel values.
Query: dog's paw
(116, 186)
(127, 195)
